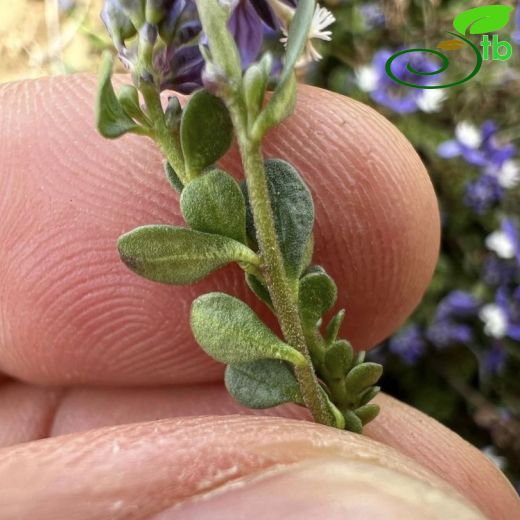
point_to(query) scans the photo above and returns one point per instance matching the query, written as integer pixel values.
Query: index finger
(72, 313)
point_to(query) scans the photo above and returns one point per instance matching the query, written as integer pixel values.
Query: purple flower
(444, 333)
(483, 193)
(372, 14)
(502, 317)
(480, 147)
(401, 99)
(409, 344)
(457, 304)
(497, 271)
(506, 241)
(515, 35)
(493, 361)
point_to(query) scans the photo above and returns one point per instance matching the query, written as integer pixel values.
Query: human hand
(112, 353)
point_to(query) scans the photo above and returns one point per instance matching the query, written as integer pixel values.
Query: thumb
(220, 467)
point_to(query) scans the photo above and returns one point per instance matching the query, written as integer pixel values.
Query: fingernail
(328, 490)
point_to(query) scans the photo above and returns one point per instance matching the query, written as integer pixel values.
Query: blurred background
(458, 357)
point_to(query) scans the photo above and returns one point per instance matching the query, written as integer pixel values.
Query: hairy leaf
(259, 289)
(293, 213)
(317, 294)
(362, 376)
(111, 119)
(369, 394)
(206, 131)
(334, 326)
(367, 413)
(262, 384)
(338, 358)
(173, 178)
(214, 203)
(176, 255)
(352, 422)
(230, 332)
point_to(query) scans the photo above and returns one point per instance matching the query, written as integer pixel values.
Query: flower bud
(117, 22)
(157, 10)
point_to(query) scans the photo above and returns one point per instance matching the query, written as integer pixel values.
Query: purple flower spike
(247, 28)
(409, 344)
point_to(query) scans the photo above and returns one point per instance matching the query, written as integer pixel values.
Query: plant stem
(281, 290)
(168, 143)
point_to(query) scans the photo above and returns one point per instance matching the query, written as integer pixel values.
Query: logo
(479, 20)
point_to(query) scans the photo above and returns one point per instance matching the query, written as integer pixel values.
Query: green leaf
(369, 394)
(317, 294)
(259, 289)
(483, 19)
(335, 413)
(230, 332)
(279, 107)
(173, 178)
(334, 326)
(255, 82)
(367, 413)
(262, 384)
(362, 376)
(297, 36)
(352, 421)
(338, 358)
(128, 98)
(214, 203)
(111, 119)
(206, 131)
(293, 213)
(177, 255)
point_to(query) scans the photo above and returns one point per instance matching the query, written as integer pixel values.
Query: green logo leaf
(230, 332)
(262, 384)
(484, 19)
(177, 255)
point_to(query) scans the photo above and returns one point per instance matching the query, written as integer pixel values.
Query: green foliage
(367, 413)
(177, 255)
(293, 213)
(263, 383)
(352, 422)
(255, 83)
(362, 376)
(334, 326)
(206, 131)
(111, 119)
(259, 289)
(338, 358)
(128, 98)
(214, 203)
(173, 178)
(483, 19)
(230, 332)
(317, 294)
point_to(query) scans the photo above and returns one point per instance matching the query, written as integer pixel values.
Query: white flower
(495, 320)
(431, 100)
(367, 78)
(509, 174)
(321, 19)
(468, 134)
(501, 243)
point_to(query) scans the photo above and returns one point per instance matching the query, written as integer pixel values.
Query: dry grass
(36, 39)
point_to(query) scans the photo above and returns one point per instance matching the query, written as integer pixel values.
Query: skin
(107, 407)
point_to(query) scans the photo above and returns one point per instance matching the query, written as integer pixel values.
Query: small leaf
(262, 384)
(111, 120)
(128, 98)
(173, 178)
(259, 289)
(293, 213)
(317, 294)
(214, 203)
(352, 422)
(483, 19)
(369, 394)
(255, 82)
(338, 358)
(230, 332)
(334, 326)
(206, 131)
(279, 107)
(367, 413)
(362, 376)
(176, 255)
